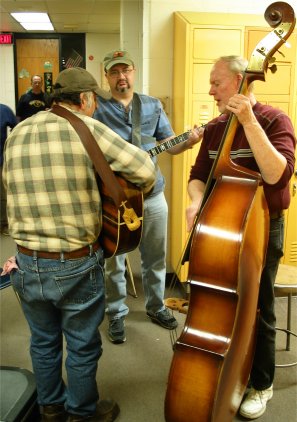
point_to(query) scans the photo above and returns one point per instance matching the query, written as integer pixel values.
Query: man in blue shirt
(7, 120)
(139, 119)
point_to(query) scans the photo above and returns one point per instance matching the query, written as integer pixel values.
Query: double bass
(213, 356)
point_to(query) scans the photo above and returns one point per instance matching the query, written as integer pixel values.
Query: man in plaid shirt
(54, 211)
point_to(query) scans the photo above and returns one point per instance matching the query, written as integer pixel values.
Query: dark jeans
(262, 373)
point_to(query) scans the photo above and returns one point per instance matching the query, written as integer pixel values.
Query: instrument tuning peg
(273, 68)
(281, 53)
(271, 59)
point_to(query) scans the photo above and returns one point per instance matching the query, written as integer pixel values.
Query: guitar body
(115, 237)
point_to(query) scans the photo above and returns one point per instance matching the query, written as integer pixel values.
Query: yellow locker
(199, 39)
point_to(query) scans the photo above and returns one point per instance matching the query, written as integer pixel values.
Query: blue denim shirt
(154, 125)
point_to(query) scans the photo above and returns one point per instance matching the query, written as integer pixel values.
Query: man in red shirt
(264, 142)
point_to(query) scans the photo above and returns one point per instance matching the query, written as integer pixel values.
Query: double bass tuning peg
(282, 54)
(273, 68)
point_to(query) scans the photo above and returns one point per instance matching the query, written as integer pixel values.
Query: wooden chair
(129, 273)
(286, 285)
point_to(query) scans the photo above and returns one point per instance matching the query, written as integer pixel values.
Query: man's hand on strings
(195, 136)
(241, 106)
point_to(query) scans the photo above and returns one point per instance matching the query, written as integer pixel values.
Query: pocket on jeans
(80, 287)
(17, 281)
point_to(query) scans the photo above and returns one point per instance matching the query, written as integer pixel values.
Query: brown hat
(117, 57)
(77, 79)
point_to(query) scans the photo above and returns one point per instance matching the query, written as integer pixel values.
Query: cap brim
(102, 93)
(122, 61)
(98, 91)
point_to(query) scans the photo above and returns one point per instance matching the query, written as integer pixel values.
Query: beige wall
(157, 39)
(160, 60)
(7, 88)
(157, 44)
(96, 47)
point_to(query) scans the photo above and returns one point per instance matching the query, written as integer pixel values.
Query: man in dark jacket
(33, 101)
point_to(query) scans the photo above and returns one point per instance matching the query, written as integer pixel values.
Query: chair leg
(129, 270)
(289, 316)
(286, 365)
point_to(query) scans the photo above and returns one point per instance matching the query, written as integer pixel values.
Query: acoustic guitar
(117, 235)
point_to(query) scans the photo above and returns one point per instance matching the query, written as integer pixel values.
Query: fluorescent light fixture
(34, 21)
(35, 26)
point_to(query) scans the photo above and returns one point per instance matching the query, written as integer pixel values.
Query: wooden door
(36, 56)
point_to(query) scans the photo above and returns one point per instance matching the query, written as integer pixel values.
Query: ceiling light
(34, 21)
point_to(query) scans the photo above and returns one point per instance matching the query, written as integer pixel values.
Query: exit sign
(6, 39)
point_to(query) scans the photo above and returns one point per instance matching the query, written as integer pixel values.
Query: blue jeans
(262, 373)
(63, 297)
(153, 262)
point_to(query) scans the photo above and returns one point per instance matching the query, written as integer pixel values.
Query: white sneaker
(255, 402)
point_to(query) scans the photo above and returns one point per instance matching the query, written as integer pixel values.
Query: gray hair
(89, 96)
(236, 64)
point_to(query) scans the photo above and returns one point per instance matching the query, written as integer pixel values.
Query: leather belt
(78, 253)
(276, 214)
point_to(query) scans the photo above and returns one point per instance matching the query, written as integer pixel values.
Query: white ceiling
(99, 16)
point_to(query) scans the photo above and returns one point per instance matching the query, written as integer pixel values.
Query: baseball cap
(77, 79)
(117, 57)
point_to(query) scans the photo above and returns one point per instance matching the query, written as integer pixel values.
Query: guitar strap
(136, 127)
(102, 167)
(136, 131)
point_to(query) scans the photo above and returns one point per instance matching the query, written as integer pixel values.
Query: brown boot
(107, 411)
(53, 413)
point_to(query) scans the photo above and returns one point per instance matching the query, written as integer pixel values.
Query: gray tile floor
(135, 373)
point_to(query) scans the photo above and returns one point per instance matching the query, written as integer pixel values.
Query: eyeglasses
(117, 73)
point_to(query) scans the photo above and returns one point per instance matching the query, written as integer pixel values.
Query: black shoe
(116, 330)
(163, 318)
(107, 411)
(53, 413)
